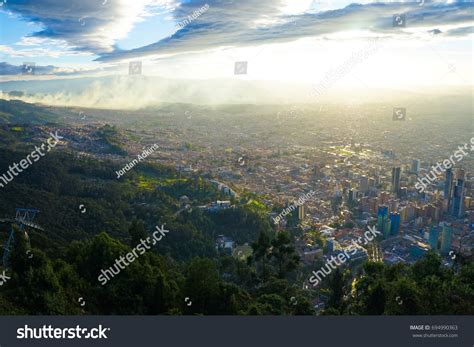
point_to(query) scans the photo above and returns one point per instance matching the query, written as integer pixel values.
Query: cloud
(94, 26)
(37, 50)
(461, 31)
(86, 25)
(250, 23)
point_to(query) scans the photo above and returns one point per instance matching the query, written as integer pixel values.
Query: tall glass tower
(394, 223)
(382, 215)
(458, 199)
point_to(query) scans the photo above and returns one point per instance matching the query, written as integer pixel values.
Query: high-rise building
(415, 166)
(458, 199)
(352, 196)
(431, 211)
(300, 210)
(446, 240)
(383, 221)
(467, 202)
(448, 186)
(394, 223)
(403, 214)
(396, 176)
(433, 237)
(382, 213)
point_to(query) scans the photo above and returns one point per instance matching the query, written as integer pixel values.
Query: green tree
(137, 232)
(336, 285)
(261, 252)
(201, 287)
(284, 254)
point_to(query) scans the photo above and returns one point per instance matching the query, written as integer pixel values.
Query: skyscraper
(448, 186)
(381, 215)
(433, 237)
(382, 219)
(457, 200)
(394, 223)
(446, 240)
(457, 195)
(396, 173)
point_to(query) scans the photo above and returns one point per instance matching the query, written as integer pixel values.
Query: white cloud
(86, 25)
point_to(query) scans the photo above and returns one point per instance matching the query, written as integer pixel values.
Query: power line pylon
(24, 217)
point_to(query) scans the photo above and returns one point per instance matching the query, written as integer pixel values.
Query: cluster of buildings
(357, 169)
(412, 223)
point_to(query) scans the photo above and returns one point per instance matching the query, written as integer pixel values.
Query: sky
(417, 43)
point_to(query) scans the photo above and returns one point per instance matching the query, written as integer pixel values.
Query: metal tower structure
(24, 217)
